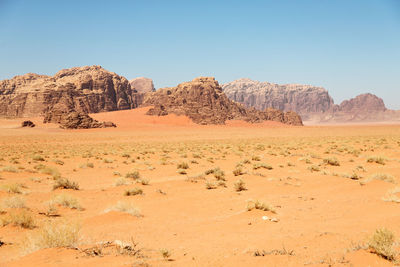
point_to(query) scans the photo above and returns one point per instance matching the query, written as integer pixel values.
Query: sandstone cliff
(303, 99)
(314, 104)
(87, 89)
(142, 85)
(204, 102)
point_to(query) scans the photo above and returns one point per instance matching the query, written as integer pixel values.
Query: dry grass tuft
(68, 201)
(127, 207)
(382, 242)
(22, 218)
(64, 183)
(133, 192)
(240, 185)
(258, 205)
(54, 234)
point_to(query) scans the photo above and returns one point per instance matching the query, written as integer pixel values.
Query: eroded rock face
(87, 89)
(364, 103)
(142, 85)
(204, 102)
(314, 104)
(302, 99)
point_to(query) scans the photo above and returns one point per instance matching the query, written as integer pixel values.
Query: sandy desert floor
(163, 191)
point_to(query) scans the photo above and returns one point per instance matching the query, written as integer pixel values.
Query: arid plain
(161, 191)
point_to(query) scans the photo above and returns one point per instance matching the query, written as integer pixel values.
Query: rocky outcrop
(302, 99)
(142, 85)
(314, 104)
(28, 124)
(364, 103)
(75, 120)
(204, 102)
(87, 89)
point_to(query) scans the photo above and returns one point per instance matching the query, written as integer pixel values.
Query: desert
(199, 133)
(163, 190)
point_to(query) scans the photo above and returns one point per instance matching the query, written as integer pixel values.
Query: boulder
(27, 124)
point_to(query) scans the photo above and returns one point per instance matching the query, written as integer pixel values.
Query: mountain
(204, 101)
(88, 89)
(71, 94)
(303, 99)
(142, 85)
(313, 104)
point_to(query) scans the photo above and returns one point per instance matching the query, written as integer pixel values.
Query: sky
(347, 47)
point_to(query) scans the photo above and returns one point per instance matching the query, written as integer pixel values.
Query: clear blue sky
(347, 46)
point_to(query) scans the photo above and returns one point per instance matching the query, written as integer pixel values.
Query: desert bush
(13, 202)
(240, 185)
(238, 171)
(108, 161)
(256, 204)
(181, 171)
(121, 181)
(219, 174)
(391, 195)
(262, 165)
(133, 175)
(59, 162)
(133, 192)
(165, 253)
(383, 177)
(182, 165)
(10, 169)
(68, 201)
(127, 207)
(12, 188)
(376, 159)
(55, 234)
(382, 242)
(331, 161)
(210, 185)
(64, 183)
(314, 168)
(21, 218)
(38, 158)
(144, 181)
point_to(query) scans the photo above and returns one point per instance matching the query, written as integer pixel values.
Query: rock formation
(314, 104)
(84, 89)
(75, 120)
(142, 85)
(303, 99)
(204, 102)
(28, 124)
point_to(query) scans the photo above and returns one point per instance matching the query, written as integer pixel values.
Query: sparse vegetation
(256, 204)
(64, 183)
(68, 201)
(382, 242)
(127, 207)
(331, 161)
(376, 159)
(240, 186)
(55, 234)
(133, 192)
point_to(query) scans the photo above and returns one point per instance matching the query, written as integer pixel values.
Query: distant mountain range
(313, 104)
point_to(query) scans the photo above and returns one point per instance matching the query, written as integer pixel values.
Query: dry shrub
(256, 204)
(68, 201)
(381, 243)
(54, 234)
(127, 207)
(64, 183)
